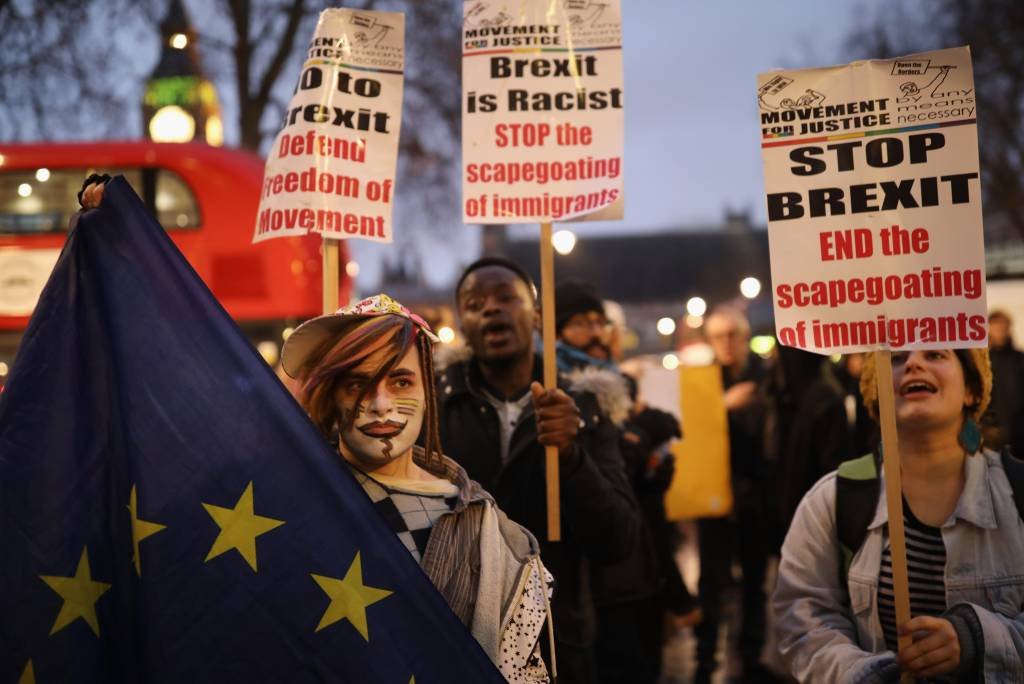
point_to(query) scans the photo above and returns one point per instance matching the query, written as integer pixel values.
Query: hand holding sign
(876, 241)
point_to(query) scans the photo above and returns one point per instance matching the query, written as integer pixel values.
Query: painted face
(388, 420)
(590, 333)
(930, 389)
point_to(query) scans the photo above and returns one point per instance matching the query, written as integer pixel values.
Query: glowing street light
(762, 345)
(750, 287)
(666, 326)
(696, 306)
(24, 190)
(268, 349)
(563, 241)
(42, 175)
(172, 124)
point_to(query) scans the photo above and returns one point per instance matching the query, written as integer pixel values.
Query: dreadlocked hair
(334, 361)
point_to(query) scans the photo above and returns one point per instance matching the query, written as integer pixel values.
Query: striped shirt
(926, 566)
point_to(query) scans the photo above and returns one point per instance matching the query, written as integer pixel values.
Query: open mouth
(496, 332)
(381, 429)
(917, 388)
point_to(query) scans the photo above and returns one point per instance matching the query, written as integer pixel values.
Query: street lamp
(563, 241)
(696, 306)
(750, 287)
(179, 105)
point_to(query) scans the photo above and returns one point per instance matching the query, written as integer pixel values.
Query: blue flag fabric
(168, 513)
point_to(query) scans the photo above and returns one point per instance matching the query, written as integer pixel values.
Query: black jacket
(600, 520)
(746, 433)
(1007, 397)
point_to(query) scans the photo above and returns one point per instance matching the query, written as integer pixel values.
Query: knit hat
(574, 297)
(978, 357)
(310, 335)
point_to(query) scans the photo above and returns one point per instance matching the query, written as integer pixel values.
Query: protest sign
(542, 111)
(874, 204)
(542, 136)
(332, 167)
(874, 224)
(700, 485)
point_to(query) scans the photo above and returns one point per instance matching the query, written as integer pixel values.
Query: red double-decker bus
(205, 197)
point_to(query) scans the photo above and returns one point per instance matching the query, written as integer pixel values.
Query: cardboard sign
(542, 110)
(874, 204)
(701, 486)
(332, 167)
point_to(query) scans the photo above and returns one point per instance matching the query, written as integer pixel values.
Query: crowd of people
(449, 444)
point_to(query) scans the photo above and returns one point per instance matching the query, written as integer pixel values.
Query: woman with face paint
(368, 383)
(833, 602)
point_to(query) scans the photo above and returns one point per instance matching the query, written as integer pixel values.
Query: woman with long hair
(367, 382)
(834, 606)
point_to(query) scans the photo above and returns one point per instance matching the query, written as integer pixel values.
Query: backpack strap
(857, 491)
(1014, 468)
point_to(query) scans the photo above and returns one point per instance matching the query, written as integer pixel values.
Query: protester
(1008, 386)
(863, 428)
(635, 596)
(747, 531)
(496, 419)
(366, 379)
(965, 544)
(367, 375)
(806, 429)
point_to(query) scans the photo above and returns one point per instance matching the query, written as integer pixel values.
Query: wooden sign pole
(547, 307)
(893, 492)
(330, 268)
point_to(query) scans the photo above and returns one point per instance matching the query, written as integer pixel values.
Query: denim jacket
(831, 633)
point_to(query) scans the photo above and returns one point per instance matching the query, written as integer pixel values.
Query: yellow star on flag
(29, 675)
(349, 598)
(239, 527)
(80, 594)
(140, 529)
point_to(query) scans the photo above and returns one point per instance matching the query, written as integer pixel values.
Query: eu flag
(169, 514)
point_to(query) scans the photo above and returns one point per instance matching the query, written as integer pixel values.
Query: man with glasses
(637, 596)
(744, 533)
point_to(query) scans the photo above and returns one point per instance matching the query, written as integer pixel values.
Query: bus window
(41, 201)
(175, 204)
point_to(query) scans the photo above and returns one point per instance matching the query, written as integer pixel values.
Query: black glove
(658, 425)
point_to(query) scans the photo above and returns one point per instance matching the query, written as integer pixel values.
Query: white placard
(332, 167)
(542, 110)
(874, 204)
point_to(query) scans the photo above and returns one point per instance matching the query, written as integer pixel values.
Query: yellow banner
(701, 484)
